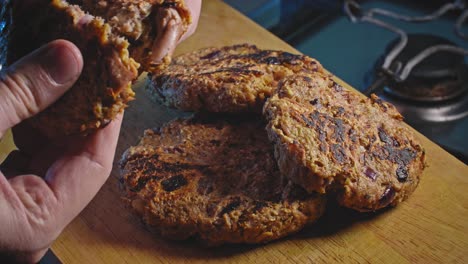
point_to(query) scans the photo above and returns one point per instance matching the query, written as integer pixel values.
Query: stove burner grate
(439, 77)
(405, 55)
(437, 88)
(424, 76)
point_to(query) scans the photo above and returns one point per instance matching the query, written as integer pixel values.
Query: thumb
(37, 80)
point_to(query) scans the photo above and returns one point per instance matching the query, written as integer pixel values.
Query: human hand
(45, 184)
(195, 7)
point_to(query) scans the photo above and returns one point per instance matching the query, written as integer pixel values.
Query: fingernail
(61, 63)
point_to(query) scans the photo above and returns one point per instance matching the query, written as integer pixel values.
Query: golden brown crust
(329, 139)
(214, 180)
(228, 79)
(104, 87)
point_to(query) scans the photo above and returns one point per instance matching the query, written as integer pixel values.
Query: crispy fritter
(229, 79)
(104, 87)
(214, 180)
(329, 139)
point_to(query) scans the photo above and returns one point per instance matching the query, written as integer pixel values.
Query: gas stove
(410, 53)
(424, 75)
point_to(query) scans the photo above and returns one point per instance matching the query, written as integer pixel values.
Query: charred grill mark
(384, 137)
(256, 56)
(277, 58)
(319, 126)
(235, 71)
(211, 55)
(174, 183)
(307, 121)
(280, 58)
(314, 101)
(322, 135)
(271, 60)
(268, 57)
(388, 140)
(319, 122)
(339, 130)
(338, 153)
(149, 168)
(402, 157)
(316, 117)
(230, 207)
(390, 151)
(240, 46)
(286, 56)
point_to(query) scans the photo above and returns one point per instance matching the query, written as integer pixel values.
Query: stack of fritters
(228, 179)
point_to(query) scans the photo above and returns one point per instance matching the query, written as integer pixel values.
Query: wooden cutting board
(431, 227)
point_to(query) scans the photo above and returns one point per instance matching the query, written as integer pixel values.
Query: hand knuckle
(17, 92)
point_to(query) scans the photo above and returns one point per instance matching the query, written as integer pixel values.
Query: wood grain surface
(431, 227)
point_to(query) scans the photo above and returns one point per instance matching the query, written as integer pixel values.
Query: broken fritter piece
(104, 87)
(152, 27)
(113, 37)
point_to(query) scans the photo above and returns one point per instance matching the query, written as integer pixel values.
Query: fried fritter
(104, 87)
(114, 36)
(228, 79)
(215, 180)
(331, 140)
